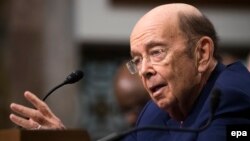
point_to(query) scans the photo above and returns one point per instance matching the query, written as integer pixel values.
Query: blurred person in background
(227, 58)
(130, 94)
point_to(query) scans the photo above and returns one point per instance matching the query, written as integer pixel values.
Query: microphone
(70, 79)
(214, 103)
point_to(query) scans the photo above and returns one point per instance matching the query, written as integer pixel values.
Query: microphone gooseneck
(70, 79)
(214, 103)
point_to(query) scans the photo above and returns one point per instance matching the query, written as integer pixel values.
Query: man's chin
(162, 105)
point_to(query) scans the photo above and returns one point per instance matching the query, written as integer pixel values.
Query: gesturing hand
(39, 118)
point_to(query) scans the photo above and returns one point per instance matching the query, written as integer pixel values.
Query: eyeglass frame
(131, 66)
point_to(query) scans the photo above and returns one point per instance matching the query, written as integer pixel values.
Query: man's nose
(146, 69)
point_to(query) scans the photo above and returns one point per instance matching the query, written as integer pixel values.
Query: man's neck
(183, 108)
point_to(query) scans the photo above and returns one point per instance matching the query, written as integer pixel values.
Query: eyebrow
(149, 45)
(152, 44)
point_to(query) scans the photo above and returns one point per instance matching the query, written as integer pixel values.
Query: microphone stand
(118, 136)
(52, 90)
(72, 78)
(214, 103)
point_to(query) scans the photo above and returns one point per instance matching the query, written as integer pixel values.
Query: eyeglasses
(155, 56)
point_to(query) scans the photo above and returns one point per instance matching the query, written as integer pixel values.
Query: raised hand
(41, 117)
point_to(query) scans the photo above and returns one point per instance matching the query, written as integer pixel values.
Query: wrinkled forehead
(154, 21)
(161, 21)
(154, 28)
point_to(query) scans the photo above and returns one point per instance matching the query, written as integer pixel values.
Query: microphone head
(74, 77)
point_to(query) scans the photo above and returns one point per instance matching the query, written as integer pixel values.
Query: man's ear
(204, 53)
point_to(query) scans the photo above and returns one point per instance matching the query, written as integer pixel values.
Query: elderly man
(173, 49)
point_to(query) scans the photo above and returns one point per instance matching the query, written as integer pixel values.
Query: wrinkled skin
(175, 83)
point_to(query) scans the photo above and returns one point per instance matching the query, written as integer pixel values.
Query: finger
(29, 113)
(27, 124)
(22, 110)
(38, 127)
(39, 104)
(32, 98)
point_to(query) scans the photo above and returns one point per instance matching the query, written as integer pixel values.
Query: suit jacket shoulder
(234, 84)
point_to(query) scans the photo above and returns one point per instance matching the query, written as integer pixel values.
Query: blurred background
(42, 41)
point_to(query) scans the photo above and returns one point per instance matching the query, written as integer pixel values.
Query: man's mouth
(156, 90)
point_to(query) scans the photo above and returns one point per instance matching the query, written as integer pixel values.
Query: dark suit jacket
(233, 81)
